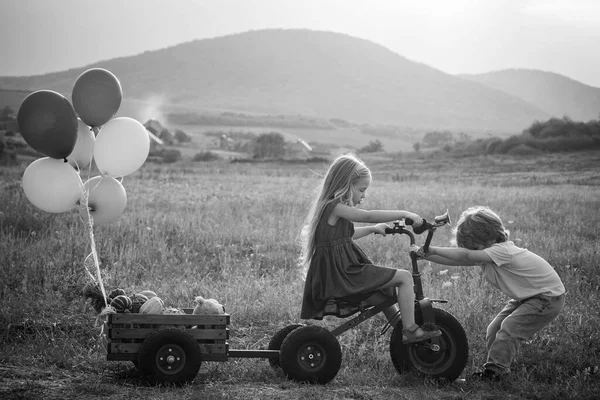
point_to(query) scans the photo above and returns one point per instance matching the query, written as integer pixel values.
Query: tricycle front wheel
(443, 357)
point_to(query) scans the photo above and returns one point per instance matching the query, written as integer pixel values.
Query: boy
(535, 289)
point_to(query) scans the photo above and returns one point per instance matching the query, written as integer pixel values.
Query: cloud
(568, 12)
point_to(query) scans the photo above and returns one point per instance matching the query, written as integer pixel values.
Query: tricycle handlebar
(438, 221)
(425, 226)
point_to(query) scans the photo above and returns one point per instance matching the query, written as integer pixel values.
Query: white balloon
(106, 200)
(84, 146)
(52, 185)
(121, 147)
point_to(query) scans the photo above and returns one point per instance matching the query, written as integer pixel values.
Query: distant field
(351, 138)
(230, 231)
(346, 138)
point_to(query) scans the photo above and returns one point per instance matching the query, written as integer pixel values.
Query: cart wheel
(310, 354)
(443, 357)
(277, 339)
(170, 356)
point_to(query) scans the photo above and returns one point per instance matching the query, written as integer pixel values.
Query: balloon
(52, 185)
(121, 147)
(48, 123)
(106, 199)
(96, 96)
(82, 154)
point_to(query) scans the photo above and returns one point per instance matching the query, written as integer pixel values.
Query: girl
(535, 288)
(340, 276)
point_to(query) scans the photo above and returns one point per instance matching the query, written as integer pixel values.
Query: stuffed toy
(208, 306)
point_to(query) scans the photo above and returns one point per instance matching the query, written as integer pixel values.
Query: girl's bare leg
(406, 298)
(411, 332)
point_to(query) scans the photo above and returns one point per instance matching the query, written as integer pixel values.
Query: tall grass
(230, 231)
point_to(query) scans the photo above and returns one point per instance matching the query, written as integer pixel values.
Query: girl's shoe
(416, 334)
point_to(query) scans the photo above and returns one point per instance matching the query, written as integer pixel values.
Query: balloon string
(90, 225)
(86, 262)
(95, 254)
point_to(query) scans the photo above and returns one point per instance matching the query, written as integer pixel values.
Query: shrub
(163, 155)
(523, 150)
(493, 146)
(206, 156)
(166, 136)
(171, 155)
(269, 145)
(182, 137)
(373, 147)
(437, 138)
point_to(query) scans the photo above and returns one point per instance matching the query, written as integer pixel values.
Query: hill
(301, 72)
(555, 94)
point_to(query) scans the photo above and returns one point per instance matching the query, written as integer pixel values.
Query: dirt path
(125, 383)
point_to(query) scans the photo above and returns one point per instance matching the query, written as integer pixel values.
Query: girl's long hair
(336, 187)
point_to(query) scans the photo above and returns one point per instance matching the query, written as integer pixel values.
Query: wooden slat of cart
(168, 319)
(139, 333)
(129, 352)
(132, 348)
(134, 357)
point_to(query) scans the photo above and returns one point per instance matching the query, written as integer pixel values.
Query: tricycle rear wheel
(310, 354)
(277, 340)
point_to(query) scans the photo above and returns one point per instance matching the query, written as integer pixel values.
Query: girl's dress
(340, 274)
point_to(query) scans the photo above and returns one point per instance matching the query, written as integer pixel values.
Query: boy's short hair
(479, 228)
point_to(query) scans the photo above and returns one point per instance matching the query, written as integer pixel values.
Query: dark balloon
(96, 96)
(48, 123)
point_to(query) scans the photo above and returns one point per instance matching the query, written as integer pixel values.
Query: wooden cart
(171, 347)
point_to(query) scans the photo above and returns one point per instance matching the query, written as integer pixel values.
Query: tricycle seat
(345, 307)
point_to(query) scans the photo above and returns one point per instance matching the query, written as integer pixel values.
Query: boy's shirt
(519, 273)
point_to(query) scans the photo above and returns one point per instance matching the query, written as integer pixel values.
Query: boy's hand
(418, 250)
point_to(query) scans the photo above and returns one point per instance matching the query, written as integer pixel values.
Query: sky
(454, 36)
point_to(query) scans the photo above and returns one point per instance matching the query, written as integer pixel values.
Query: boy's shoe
(486, 375)
(410, 335)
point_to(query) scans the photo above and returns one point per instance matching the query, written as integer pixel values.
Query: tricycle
(170, 348)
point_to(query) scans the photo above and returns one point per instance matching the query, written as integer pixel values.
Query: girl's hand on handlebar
(416, 219)
(379, 229)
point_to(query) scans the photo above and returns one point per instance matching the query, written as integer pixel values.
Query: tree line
(552, 135)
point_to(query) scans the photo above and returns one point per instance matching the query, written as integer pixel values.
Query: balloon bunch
(71, 136)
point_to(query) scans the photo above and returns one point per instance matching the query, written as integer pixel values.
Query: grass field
(230, 231)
